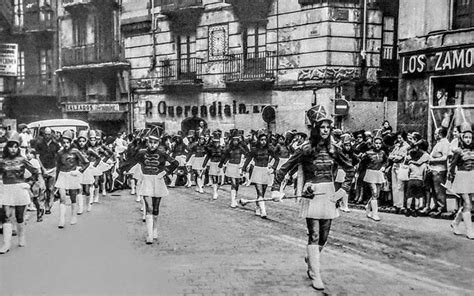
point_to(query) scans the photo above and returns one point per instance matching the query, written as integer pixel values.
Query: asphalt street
(207, 248)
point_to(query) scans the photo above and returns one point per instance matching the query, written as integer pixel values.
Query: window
(20, 81)
(45, 66)
(79, 31)
(309, 2)
(463, 14)
(254, 39)
(19, 14)
(186, 49)
(388, 36)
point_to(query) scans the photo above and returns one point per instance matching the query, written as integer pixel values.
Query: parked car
(58, 125)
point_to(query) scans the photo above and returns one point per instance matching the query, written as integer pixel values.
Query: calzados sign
(455, 60)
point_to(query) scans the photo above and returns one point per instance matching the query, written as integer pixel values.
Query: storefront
(110, 118)
(446, 77)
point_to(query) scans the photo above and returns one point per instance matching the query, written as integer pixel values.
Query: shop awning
(106, 116)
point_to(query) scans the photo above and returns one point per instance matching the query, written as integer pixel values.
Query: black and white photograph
(236, 147)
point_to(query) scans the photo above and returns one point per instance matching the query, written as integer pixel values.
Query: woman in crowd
(318, 161)
(15, 196)
(376, 161)
(261, 174)
(214, 155)
(152, 185)
(417, 166)
(398, 156)
(70, 164)
(38, 188)
(461, 173)
(233, 156)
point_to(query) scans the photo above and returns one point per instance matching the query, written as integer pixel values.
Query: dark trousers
(434, 180)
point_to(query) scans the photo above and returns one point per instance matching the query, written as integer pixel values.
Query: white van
(58, 125)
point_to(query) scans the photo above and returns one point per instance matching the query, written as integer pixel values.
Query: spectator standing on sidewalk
(398, 157)
(437, 173)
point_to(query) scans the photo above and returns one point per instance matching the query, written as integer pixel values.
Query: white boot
(189, 183)
(375, 210)
(345, 204)
(90, 200)
(174, 177)
(96, 195)
(214, 188)
(200, 184)
(368, 210)
(155, 227)
(62, 215)
(80, 204)
(263, 211)
(104, 191)
(21, 235)
(233, 197)
(73, 214)
(149, 229)
(7, 238)
(457, 220)
(314, 267)
(467, 221)
(133, 187)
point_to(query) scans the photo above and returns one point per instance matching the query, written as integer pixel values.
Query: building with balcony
(93, 72)
(32, 91)
(223, 61)
(436, 65)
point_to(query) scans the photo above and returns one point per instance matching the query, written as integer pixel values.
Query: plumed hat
(67, 135)
(154, 134)
(466, 127)
(82, 134)
(13, 136)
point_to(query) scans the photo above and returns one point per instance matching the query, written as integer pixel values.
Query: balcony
(37, 22)
(6, 14)
(255, 70)
(77, 6)
(251, 11)
(36, 85)
(93, 54)
(181, 73)
(184, 15)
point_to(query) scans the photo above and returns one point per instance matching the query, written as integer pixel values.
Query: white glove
(162, 175)
(277, 196)
(26, 186)
(338, 195)
(270, 171)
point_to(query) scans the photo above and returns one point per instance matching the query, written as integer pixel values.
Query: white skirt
(88, 175)
(233, 171)
(214, 169)
(282, 162)
(197, 163)
(15, 194)
(321, 206)
(66, 180)
(374, 177)
(152, 186)
(103, 167)
(463, 182)
(340, 176)
(260, 175)
(181, 160)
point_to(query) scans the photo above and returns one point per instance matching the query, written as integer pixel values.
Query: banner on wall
(8, 59)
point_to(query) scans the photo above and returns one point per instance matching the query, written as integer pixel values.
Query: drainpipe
(363, 52)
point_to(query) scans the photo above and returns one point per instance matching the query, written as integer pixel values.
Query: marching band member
(376, 160)
(70, 164)
(318, 161)
(153, 187)
(283, 152)
(198, 150)
(261, 174)
(233, 156)
(88, 179)
(15, 190)
(461, 173)
(348, 162)
(178, 152)
(214, 155)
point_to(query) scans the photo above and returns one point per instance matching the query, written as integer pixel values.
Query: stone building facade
(225, 61)
(436, 65)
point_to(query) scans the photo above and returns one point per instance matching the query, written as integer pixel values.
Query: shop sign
(8, 59)
(460, 60)
(341, 107)
(216, 109)
(91, 107)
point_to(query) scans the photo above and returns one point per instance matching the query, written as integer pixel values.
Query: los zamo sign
(459, 60)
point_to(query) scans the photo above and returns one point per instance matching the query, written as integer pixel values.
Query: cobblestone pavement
(207, 248)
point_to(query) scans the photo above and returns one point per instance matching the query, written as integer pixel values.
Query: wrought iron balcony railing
(181, 71)
(251, 66)
(92, 54)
